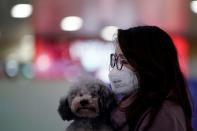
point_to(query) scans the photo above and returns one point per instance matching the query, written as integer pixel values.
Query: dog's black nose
(84, 102)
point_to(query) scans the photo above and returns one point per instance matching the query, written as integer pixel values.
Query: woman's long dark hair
(153, 55)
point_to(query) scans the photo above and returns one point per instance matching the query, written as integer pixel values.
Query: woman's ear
(64, 110)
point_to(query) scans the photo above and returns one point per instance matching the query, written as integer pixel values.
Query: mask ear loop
(136, 78)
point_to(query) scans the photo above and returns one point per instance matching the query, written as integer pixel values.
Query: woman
(146, 72)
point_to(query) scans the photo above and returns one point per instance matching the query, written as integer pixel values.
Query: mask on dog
(123, 81)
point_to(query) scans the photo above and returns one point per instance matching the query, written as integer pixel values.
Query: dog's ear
(107, 100)
(64, 110)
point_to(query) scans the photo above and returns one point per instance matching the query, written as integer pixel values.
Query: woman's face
(123, 80)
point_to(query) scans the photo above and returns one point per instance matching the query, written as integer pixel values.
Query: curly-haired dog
(89, 104)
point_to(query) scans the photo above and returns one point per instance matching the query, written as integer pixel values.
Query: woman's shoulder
(169, 117)
(174, 110)
(170, 106)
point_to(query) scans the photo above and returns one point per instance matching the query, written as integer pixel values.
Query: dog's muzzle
(85, 106)
(84, 103)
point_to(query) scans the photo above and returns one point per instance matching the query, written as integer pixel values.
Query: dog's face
(84, 102)
(87, 99)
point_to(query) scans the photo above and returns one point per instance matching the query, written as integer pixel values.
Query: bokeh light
(108, 33)
(193, 6)
(21, 10)
(71, 23)
(12, 68)
(43, 62)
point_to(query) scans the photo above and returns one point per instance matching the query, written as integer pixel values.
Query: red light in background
(183, 52)
(52, 59)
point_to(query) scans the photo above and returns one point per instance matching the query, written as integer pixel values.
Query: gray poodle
(89, 104)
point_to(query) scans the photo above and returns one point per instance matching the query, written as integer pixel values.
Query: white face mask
(123, 81)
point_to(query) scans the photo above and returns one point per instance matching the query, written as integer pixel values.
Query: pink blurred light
(43, 62)
(171, 15)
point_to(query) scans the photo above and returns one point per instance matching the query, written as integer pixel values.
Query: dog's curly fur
(89, 104)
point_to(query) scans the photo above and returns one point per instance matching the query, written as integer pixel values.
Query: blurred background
(45, 44)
